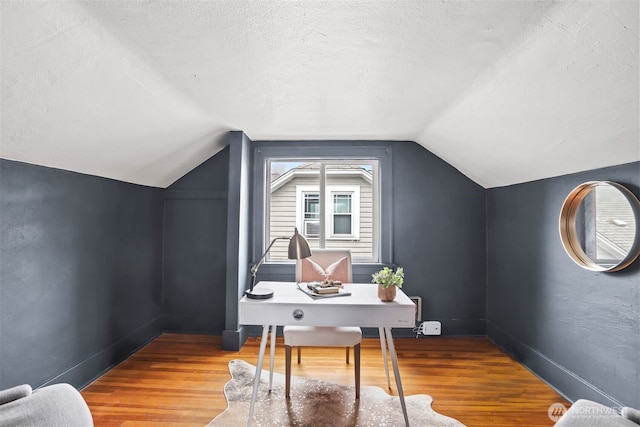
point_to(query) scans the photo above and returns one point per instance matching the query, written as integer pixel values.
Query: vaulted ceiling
(143, 91)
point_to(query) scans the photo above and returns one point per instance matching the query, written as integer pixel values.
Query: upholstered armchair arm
(631, 414)
(53, 405)
(14, 393)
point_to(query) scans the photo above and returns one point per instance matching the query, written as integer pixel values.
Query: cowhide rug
(316, 403)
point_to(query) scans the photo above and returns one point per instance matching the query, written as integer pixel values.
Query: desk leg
(272, 355)
(383, 345)
(256, 381)
(396, 372)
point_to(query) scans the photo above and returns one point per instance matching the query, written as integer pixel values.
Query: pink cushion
(312, 271)
(339, 270)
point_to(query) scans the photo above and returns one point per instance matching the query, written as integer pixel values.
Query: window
(361, 171)
(342, 218)
(333, 203)
(341, 215)
(311, 216)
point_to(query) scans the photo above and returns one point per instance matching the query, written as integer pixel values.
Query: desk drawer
(388, 315)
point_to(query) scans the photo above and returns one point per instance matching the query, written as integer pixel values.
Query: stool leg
(356, 357)
(287, 358)
(347, 355)
(299, 351)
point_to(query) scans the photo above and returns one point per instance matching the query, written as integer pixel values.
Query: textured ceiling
(142, 92)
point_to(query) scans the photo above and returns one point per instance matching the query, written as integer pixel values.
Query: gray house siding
(283, 216)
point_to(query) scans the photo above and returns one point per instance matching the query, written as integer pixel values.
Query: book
(322, 289)
(313, 294)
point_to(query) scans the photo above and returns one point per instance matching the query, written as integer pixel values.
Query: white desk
(290, 306)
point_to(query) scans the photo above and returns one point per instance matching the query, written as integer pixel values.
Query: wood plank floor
(177, 380)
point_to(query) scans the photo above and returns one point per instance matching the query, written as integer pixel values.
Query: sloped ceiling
(505, 91)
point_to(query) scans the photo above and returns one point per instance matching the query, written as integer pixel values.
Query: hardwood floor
(177, 380)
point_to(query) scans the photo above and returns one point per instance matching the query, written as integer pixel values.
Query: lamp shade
(298, 247)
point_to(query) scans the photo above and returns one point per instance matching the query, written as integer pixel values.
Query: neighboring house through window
(332, 203)
(342, 211)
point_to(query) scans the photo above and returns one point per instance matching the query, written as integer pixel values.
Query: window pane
(342, 203)
(342, 224)
(284, 214)
(343, 214)
(312, 206)
(351, 221)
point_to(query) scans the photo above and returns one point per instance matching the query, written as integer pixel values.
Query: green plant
(386, 277)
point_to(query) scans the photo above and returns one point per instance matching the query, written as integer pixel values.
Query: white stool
(313, 336)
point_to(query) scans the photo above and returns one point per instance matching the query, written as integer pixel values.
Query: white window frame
(347, 195)
(267, 152)
(301, 221)
(330, 190)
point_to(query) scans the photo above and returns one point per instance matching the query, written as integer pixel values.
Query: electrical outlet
(432, 327)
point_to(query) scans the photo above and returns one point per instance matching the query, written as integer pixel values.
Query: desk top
(291, 306)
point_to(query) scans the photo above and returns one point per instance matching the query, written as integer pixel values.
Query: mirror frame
(569, 235)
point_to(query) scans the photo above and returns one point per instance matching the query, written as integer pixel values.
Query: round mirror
(599, 226)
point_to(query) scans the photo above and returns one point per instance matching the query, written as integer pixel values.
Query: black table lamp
(298, 249)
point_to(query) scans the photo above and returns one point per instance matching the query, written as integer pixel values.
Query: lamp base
(259, 293)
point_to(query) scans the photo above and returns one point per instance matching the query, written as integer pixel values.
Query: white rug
(316, 403)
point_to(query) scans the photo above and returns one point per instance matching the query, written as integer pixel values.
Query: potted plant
(387, 281)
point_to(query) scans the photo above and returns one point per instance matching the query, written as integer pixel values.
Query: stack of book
(323, 289)
(320, 288)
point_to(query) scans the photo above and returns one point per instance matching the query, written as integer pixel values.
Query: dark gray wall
(578, 329)
(80, 262)
(195, 240)
(439, 239)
